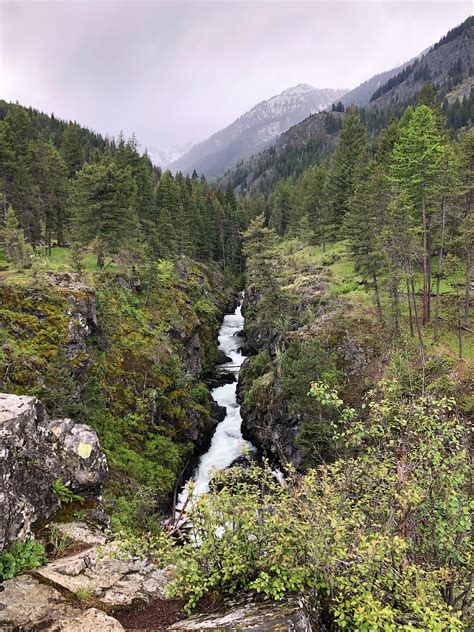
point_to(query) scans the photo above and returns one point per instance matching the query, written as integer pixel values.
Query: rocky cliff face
(37, 451)
(128, 356)
(298, 332)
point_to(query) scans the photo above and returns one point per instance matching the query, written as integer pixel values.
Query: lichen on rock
(36, 452)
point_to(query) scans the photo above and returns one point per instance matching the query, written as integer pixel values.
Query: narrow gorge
(227, 443)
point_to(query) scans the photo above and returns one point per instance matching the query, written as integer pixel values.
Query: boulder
(80, 532)
(250, 613)
(102, 573)
(34, 453)
(91, 620)
(27, 604)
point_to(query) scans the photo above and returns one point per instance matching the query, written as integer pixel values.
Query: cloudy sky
(178, 71)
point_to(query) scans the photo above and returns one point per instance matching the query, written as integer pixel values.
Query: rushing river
(227, 443)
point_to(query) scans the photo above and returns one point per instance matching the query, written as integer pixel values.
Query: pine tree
(17, 250)
(363, 224)
(416, 168)
(103, 202)
(7, 166)
(398, 243)
(315, 204)
(281, 207)
(72, 148)
(168, 209)
(352, 142)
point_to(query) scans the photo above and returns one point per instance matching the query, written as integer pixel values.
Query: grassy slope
(345, 282)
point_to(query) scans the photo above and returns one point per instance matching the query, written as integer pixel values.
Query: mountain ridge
(255, 129)
(447, 64)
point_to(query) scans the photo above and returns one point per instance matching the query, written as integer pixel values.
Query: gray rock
(80, 532)
(248, 613)
(35, 452)
(107, 577)
(26, 604)
(91, 620)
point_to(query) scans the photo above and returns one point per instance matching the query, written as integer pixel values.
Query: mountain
(164, 157)
(255, 130)
(448, 65)
(361, 95)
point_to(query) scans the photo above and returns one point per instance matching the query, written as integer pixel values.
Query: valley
(242, 397)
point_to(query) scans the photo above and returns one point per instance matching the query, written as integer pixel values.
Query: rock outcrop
(26, 604)
(35, 452)
(106, 576)
(91, 620)
(249, 613)
(74, 593)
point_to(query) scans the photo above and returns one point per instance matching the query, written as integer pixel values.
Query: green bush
(21, 556)
(383, 535)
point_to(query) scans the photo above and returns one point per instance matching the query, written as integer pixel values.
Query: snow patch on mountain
(256, 129)
(164, 157)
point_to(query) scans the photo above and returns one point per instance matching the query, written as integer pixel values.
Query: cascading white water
(227, 443)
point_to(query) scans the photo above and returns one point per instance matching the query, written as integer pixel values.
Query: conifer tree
(17, 250)
(363, 224)
(415, 170)
(72, 148)
(168, 210)
(315, 204)
(352, 142)
(103, 201)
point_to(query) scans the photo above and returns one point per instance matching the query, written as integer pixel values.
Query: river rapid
(227, 443)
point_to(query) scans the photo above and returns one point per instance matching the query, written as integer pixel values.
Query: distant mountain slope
(448, 65)
(361, 95)
(255, 130)
(164, 157)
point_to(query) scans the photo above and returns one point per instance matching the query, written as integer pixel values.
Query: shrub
(382, 535)
(21, 556)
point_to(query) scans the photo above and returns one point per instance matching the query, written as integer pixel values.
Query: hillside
(255, 130)
(448, 65)
(445, 65)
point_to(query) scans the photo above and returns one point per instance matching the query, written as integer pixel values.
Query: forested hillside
(113, 279)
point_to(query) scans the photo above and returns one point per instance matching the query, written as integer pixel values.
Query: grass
(58, 261)
(335, 266)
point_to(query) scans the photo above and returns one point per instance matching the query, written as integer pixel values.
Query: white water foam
(227, 442)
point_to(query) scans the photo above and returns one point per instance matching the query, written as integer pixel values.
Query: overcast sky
(174, 72)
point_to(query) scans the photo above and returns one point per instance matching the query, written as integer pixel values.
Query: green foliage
(300, 364)
(17, 251)
(383, 534)
(84, 594)
(64, 493)
(58, 539)
(21, 556)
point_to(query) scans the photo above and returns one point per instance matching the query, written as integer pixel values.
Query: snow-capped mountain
(255, 130)
(164, 157)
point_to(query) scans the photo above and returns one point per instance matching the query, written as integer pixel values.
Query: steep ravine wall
(129, 358)
(296, 333)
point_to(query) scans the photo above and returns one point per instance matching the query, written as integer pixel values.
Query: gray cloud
(178, 71)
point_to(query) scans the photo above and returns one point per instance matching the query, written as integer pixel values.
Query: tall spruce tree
(103, 202)
(341, 177)
(416, 170)
(72, 148)
(363, 224)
